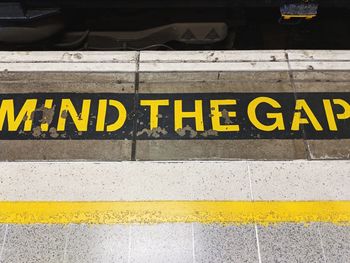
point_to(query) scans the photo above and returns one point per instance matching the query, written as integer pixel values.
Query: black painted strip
(323, 116)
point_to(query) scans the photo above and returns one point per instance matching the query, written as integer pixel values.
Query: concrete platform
(136, 76)
(48, 72)
(214, 186)
(297, 239)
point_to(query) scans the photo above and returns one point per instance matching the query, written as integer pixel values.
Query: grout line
(255, 224)
(321, 240)
(309, 153)
(66, 244)
(291, 77)
(3, 241)
(250, 182)
(193, 245)
(129, 244)
(258, 243)
(136, 101)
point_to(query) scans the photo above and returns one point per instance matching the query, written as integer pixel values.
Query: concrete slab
(336, 242)
(68, 56)
(195, 180)
(290, 243)
(34, 243)
(24, 72)
(300, 180)
(71, 72)
(321, 81)
(102, 150)
(84, 82)
(161, 243)
(97, 244)
(325, 149)
(218, 243)
(68, 61)
(337, 85)
(320, 65)
(322, 71)
(213, 72)
(219, 81)
(318, 55)
(213, 56)
(147, 181)
(221, 150)
(127, 181)
(329, 150)
(212, 61)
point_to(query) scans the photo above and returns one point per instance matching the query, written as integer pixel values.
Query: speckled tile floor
(175, 243)
(247, 181)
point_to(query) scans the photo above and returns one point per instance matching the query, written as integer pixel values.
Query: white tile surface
(161, 243)
(192, 180)
(124, 181)
(68, 56)
(301, 180)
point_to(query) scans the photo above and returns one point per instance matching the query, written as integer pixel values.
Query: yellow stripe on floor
(151, 212)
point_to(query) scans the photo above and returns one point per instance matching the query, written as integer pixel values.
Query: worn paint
(182, 132)
(151, 212)
(175, 116)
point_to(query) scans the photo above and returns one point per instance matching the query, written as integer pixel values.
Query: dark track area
(247, 28)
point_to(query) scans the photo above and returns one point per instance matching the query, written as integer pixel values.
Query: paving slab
(84, 82)
(70, 73)
(337, 84)
(292, 243)
(192, 180)
(317, 55)
(329, 150)
(322, 71)
(215, 72)
(321, 80)
(25, 72)
(103, 150)
(339, 146)
(34, 243)
(220, 150)
(336, 242)
(218, 243)
(301, 181)
(97, 244)
(161, 243)
(123, 181)
(206, 82)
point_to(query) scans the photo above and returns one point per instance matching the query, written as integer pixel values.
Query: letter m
(7, 109)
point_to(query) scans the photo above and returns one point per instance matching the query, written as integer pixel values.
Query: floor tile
(100, 243)
(161, 243)
(34, 243)
(315, 180)
(336, 242)
(292, 243)
(218, 243)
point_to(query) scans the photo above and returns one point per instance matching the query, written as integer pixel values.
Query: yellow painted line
(150, 212)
